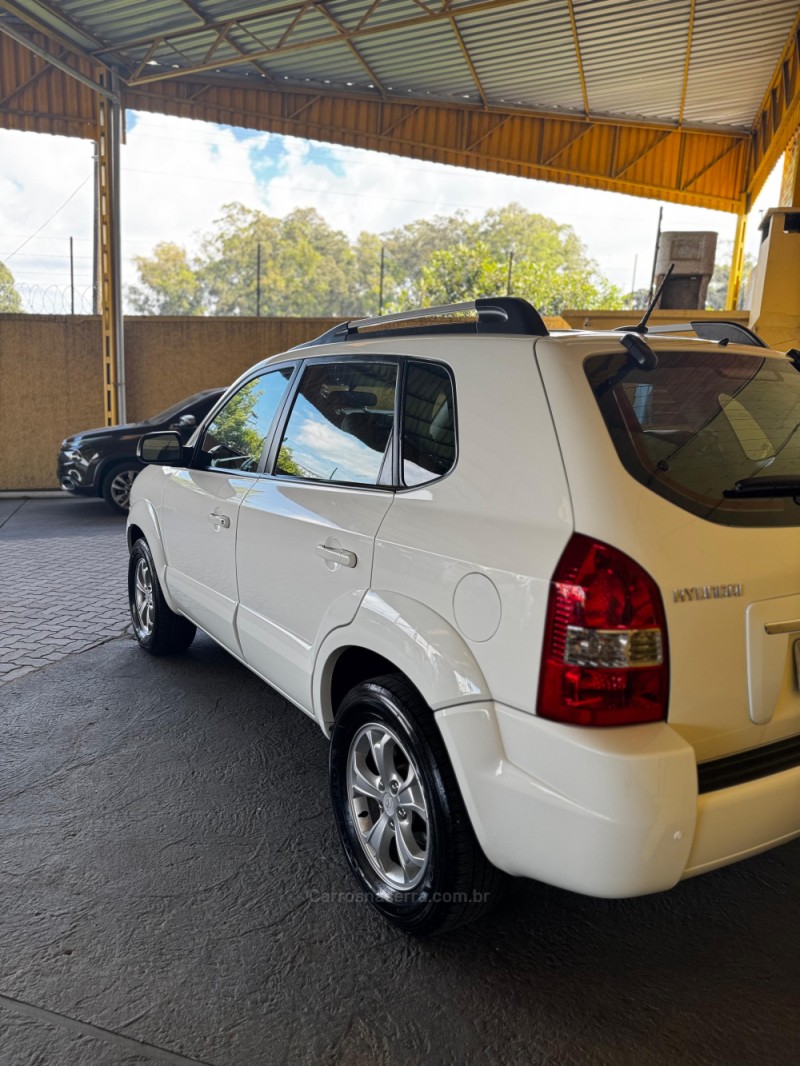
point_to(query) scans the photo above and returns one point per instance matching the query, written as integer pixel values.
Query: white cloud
(176, 176)
(178, 173)
(38, 173)
(345, 454)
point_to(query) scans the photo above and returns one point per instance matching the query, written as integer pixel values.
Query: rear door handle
(219, 521)
(337, 555)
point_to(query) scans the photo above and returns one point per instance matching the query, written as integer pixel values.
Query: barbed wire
(57, 299)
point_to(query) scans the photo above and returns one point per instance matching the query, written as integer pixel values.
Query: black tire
(116, 486)
(457, 882)
(159, 630)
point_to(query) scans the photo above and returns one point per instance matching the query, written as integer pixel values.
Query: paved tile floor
(172, 889)
(62, 580)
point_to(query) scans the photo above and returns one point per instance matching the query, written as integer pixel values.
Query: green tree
(458, 273)
(717, 295)
(168, 283)
(310, 268)
(287, 463)
(638, 300)
(306, 265)
(453, 259)
(411, 247)
(234, 431)
(366, 277)
(533, 237)
(10, 300)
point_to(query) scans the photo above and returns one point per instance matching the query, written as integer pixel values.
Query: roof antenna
(642, 326)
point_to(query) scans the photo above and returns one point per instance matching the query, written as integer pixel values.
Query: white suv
(542, 592)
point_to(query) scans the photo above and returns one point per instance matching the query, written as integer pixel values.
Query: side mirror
(184, 421)
(165, 449)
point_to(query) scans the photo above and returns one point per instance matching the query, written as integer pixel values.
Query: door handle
(219, 521)
(337, 555)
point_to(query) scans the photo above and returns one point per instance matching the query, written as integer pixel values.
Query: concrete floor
(166, 852)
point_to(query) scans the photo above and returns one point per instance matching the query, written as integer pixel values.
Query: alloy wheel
(143, 599)
(389, 807)
(120, 488)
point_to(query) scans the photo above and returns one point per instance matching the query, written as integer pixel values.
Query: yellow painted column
(109, 132)
(737, 263)
(790, 182)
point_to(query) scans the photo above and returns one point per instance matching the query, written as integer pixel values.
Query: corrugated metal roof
(523, 52)
(735, 42)
(633, 61)
(116, 20)
(527, 57)
(340, 66)
(421, 60)
(570, 94)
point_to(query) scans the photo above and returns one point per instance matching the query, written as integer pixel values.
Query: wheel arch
(143, 523)
(110, 463)
(392, 633)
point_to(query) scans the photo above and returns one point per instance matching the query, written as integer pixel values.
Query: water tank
(693, 255)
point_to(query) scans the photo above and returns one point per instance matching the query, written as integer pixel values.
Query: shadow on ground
(168, 853)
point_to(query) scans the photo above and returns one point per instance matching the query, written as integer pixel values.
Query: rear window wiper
(764, 487)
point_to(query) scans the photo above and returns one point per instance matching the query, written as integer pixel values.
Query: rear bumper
(743, 820)
(606, 812)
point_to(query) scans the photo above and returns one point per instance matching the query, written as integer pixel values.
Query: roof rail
(504, 314)
(708, 329)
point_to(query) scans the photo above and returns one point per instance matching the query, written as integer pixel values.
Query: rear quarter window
(701, 421)
(429, 427)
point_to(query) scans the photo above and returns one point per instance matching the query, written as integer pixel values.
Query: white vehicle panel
(607, 812)
(290, 536)
(708, 637)
(199, 517)
(503, 513)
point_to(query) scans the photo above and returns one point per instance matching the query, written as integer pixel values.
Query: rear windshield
(701, 421)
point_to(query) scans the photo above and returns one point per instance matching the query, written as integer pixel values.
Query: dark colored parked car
(102, 462)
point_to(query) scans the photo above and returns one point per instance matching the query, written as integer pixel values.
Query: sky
(178, 173)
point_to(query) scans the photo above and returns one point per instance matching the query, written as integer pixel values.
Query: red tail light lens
(605, 644)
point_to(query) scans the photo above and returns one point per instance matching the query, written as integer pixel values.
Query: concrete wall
(168, 358)
(51, 372)
(50, 376)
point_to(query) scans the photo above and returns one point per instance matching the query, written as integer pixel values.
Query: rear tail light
(605, 644)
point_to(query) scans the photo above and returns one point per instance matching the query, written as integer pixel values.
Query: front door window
(235, 437)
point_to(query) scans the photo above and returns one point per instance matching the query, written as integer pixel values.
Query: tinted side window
(429, 434)
(341, 423)
(235, 438)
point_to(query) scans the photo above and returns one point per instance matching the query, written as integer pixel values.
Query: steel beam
(601, 154)
(777, 118)
(54, 60)
(109, 138)
(284, 46)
